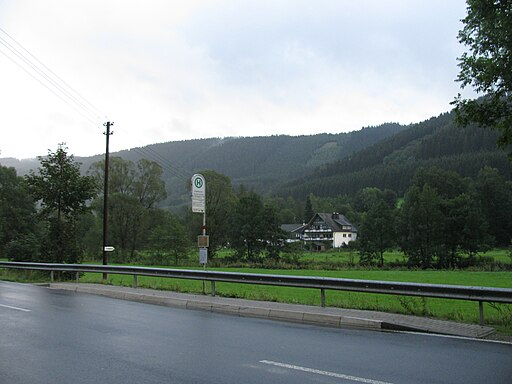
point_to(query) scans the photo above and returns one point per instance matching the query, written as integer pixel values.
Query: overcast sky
(175, 70)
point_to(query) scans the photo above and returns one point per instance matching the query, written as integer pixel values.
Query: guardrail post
(322, 297)
(134, 281)
(51, 276)
(481, 310)
(77, 277)
(213, 287)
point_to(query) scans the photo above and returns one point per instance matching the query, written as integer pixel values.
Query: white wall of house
(343, 238)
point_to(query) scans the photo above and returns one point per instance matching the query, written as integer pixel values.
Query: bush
(25, 248)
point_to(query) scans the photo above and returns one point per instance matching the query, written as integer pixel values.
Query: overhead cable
(46, 77)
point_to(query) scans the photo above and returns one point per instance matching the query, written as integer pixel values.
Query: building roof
(292, 228)
(336, 221)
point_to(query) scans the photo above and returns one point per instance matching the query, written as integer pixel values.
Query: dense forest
(327, 165)
(259, 163)
(392, 162)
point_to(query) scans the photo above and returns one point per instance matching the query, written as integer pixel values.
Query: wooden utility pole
(107, 133)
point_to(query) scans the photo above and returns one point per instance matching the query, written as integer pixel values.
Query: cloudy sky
(175, 70)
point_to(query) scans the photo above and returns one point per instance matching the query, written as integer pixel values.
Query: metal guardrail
(457, 292)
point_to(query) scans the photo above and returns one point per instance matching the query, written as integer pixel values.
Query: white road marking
(452, 337)
(16, 308)
(324, 373)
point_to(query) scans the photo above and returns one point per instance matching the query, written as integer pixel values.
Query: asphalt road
(49, 336)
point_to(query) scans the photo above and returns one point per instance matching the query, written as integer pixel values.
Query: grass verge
(499, 316)
(21, 276)
(496, 315)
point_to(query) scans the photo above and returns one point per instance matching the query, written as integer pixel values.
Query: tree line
(56, 214)
(443, 220)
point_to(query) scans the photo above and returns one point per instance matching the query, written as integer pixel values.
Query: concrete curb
(329, 317)
(303, 317)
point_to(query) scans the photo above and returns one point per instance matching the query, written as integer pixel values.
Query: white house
(324, 230)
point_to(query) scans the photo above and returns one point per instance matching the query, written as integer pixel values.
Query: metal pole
(204, 265)
(107, 133)
(204, 281)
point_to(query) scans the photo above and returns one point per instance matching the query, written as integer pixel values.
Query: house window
(344, 235)
(349, 235)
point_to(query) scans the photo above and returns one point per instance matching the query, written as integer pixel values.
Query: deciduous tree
(168, 238)
(17, 218)
(376, 233)
(421, 225)
(495, 198)
(134, 190)
(255, 228)
(220, 205)
(487, 67)
(63, 195)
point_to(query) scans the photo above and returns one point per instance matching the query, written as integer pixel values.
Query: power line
(60, 88)
(97, 111)
(46, 77)
(158, 156)
(51, 90)
(180, 174)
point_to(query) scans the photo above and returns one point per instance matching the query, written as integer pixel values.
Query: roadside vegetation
(496, 315)
(493, 272)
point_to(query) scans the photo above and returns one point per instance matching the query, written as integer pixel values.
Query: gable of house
(335, 222)
(330, 227)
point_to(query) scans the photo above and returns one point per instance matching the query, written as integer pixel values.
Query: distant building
(324, 230)
(293, 232)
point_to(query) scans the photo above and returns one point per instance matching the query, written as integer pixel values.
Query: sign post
(199, 206)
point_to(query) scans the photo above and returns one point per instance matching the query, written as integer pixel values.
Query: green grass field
(344, 256)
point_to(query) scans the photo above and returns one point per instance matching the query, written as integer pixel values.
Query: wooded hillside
(259, 163)
(392, 162)
(384, 156)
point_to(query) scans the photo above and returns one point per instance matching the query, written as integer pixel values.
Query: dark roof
(335, 221)
(292, 227)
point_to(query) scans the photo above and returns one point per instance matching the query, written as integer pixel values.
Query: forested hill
(392, 162)
(385, 156)
(260, 163)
